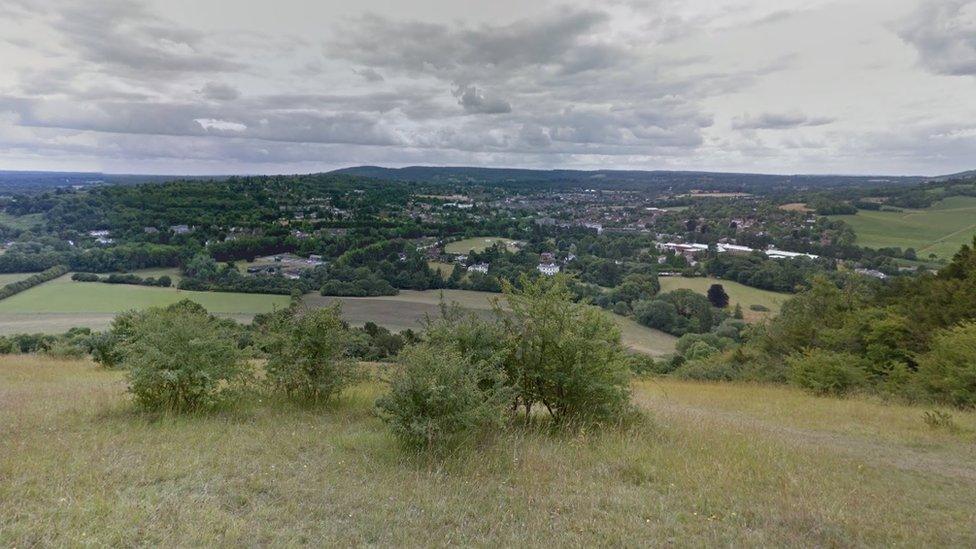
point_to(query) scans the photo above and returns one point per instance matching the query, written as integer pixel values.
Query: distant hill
(971, 174)
(28, 181)
(621, 178)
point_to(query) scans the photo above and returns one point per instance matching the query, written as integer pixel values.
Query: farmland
(940, 229)
(408, 309)
(738, 293)
(62, 304)
(477, 244)
(712, 465)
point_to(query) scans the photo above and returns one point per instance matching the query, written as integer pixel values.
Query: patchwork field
(408, 309)
(940, 229)
(61, 304)
(738, 293)
(712, 465)
(477, 244)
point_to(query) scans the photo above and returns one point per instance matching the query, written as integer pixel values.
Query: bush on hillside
(827, 372)
(563, 355)
(308, 358)
(948, 371)
(440, 396)
(180, 359)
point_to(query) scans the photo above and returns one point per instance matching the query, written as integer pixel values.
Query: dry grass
(715, 465)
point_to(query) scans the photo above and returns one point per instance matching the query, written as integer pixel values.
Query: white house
(479, 268)
(548, 269)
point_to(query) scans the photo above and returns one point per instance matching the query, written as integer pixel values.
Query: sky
(296, 86)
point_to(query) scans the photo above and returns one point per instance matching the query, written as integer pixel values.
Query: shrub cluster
(545, 352)
(163, 281)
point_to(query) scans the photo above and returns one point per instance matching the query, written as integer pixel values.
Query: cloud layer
(858, 86)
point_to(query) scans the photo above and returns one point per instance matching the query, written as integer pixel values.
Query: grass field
(408, 308)
(738, 293)
(445, 268)
(940, 229)
(7, 278)
(60, 304)
(477, 244)
(714, 465)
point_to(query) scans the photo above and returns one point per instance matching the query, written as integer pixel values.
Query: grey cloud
(460, 53)
(218, 91)
(144, 118)
(369, 75)
(123, 34)
(475, 101)
(944, 33)
(778, 121)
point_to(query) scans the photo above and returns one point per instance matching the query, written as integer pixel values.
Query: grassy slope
(60, 304)
(940, 229)
(738, 293)
(407, 309)
(477, 244)
(715, 465)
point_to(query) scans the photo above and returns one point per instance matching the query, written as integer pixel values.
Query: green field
(477, 244)
(940, 229)
(738, 293)
(7, 278)
(712, 466)
(60, 304)
(408, 309)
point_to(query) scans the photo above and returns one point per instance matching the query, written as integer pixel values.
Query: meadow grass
(940, 229)
(738, 293)
(81, 467)
(61, 304)
(64, 295)
(477, 244)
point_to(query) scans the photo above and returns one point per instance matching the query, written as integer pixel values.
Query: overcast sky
(248, 86)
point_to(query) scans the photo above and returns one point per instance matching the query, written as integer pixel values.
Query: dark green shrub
(105, 350)
(309, 359)
(948, 371)
(180, 359)
(438, 396)
(85, 277)
(827, 372)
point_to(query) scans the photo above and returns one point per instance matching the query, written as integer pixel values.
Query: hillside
(620, 178)
(714, 465)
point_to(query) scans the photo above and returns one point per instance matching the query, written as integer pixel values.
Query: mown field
(409, 307)
(712, 465)
(477, 244)
(60, 304)
(738, 293)
(940, 229)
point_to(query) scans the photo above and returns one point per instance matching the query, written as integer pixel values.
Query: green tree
(717, 296)
(948, 371)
